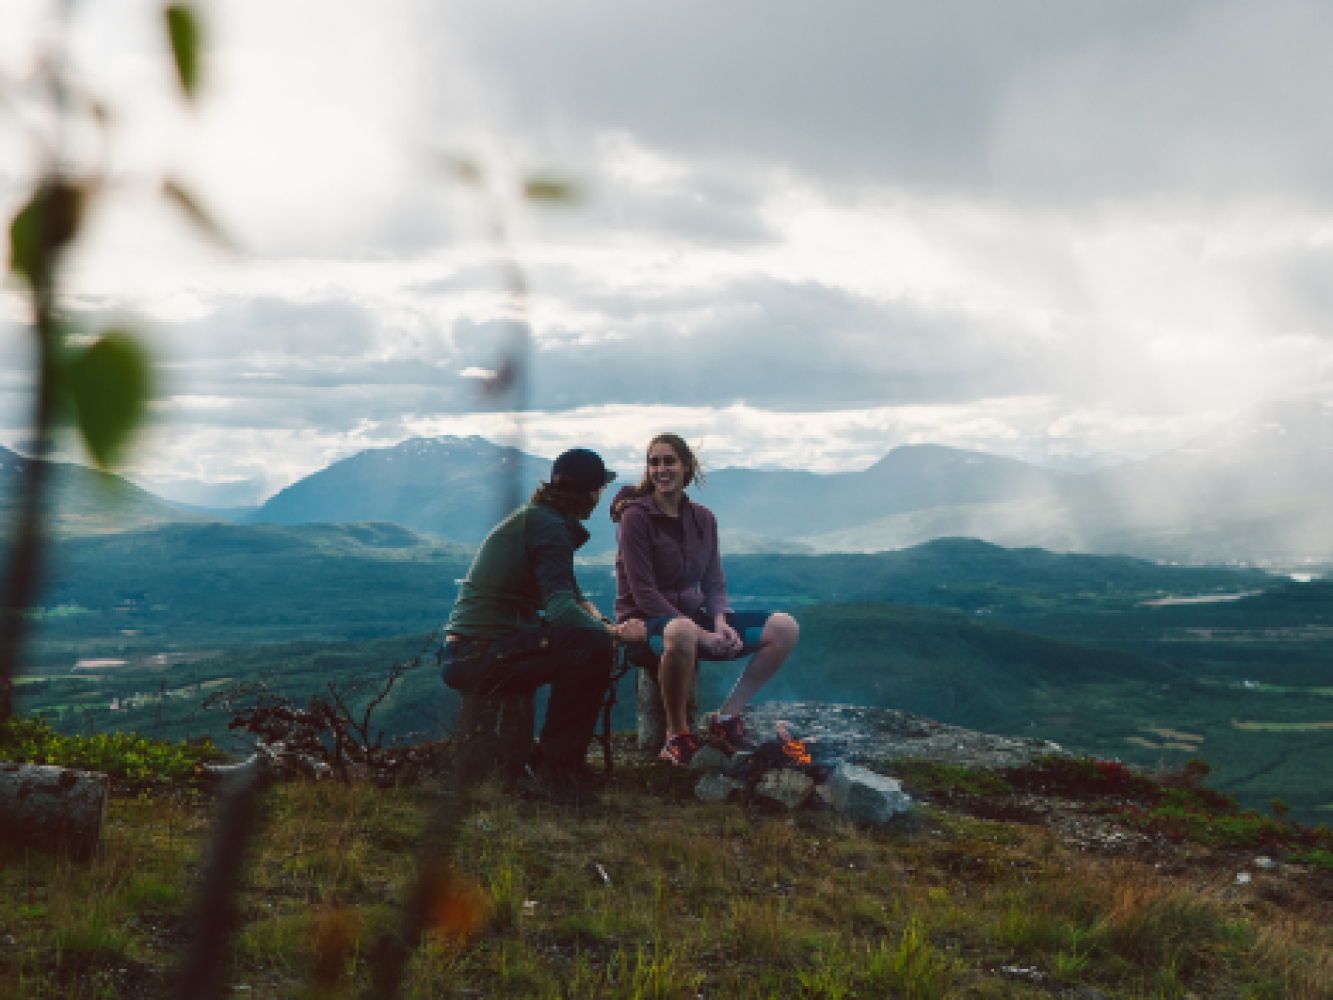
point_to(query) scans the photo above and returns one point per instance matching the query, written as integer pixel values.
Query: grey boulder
(715, 787)
(864, 796)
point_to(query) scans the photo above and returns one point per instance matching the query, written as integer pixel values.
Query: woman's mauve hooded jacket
(655, 574)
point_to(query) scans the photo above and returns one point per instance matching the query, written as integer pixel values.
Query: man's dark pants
(576, 662)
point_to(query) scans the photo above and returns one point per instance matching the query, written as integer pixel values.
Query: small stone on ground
(709, 758)
(718, 788)
(787, 788)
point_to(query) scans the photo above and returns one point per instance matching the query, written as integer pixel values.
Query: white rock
(787, 788)
(866, 797)
(714, 787)
(1265, 863)
(1243, 878)
(709, 758)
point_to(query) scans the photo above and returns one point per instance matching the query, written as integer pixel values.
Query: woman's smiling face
(666, 469)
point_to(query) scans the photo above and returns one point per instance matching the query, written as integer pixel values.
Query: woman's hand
(728, 642)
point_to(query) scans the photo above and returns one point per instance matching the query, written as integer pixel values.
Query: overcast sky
(808, 233)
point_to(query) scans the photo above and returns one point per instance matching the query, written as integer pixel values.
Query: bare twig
(328, 734)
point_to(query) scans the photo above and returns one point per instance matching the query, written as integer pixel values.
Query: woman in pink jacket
(669, 574)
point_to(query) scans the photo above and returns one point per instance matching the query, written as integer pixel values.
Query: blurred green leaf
(196, 213)
(25, 241)
(183, 29)
(549, 189)
(109, 383)
(42, 228)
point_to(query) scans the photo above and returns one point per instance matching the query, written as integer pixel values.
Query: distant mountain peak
(449, 444)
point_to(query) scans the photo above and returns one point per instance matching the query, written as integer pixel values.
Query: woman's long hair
(694, 472)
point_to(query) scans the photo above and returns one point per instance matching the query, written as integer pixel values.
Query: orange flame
(793, 748)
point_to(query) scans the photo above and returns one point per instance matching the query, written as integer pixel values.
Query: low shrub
(1183, 811)
(130, 758)
(1076, 778)
(927, 777)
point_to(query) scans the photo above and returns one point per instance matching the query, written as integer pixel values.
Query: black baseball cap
(580, 471)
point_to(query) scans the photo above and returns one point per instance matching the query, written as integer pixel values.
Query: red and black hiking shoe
(681, 748)
(731, 734)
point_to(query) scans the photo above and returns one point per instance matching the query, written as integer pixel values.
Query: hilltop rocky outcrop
(871, 736)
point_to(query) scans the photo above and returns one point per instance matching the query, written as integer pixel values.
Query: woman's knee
(781, 629)
(680, 635)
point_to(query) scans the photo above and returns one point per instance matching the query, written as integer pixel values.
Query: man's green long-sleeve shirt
(525, 565)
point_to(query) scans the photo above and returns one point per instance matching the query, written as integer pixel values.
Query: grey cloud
(1098, 99)
(261, 326)
(335, 409)
(711, 203)
(1293, 285)
(763, 342)
(787, 346)
(770, 344)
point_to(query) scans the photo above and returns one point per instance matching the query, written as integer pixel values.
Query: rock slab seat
(495, 737)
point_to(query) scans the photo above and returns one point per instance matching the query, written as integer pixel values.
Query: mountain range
(444, 488)
(83, 501)
(1256, 489)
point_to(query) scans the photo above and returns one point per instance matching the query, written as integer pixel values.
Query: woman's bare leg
(675, 671)
(775, 644)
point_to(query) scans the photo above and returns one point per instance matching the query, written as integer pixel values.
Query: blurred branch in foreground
(100, 384)
(507, 387)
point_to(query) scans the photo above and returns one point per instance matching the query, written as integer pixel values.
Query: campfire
(785, 765)
(792, 747)
(835, 760)
(791, 772)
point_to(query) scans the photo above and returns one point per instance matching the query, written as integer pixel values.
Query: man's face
(594, 498)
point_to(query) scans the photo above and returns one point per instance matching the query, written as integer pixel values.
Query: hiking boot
(731, 734)
(554, 782)
(680, 749)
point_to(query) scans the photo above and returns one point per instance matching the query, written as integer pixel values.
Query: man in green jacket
(497, 644)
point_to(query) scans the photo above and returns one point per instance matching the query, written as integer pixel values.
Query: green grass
(711, 899)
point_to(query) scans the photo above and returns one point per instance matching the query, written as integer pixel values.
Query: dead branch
(327, 736)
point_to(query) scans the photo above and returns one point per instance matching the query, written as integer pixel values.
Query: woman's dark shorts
(747, 624)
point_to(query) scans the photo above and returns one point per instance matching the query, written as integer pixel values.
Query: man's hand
(631, 630)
